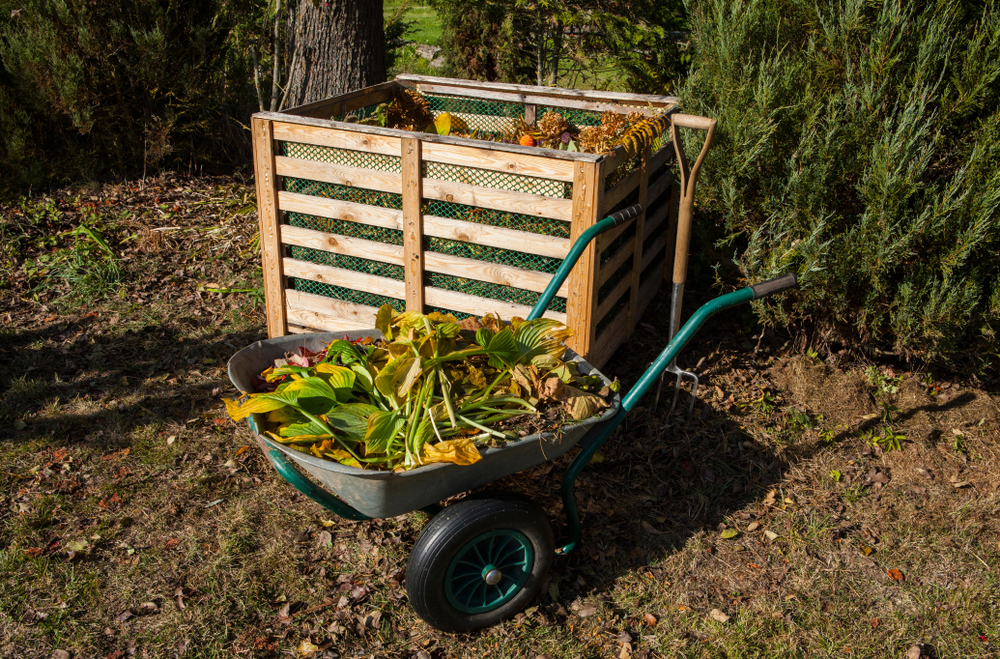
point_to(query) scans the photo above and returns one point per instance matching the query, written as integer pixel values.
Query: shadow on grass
(119, 380)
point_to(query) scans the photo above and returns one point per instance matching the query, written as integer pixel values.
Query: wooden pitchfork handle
(688, 179)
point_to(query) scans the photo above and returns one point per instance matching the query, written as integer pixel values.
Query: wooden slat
(582, 293)
(655, 223)
(427, 138)
(611, 235)
(650, 254)
(439, 227)
(613, 297)
(665, 153)
(660, 185)
(387, 218)
(553, 92)
(616, 158)
(493, 273)
(647, 292)
(612, 337)
(480, 306)
(346, 245)
(356, 177)
(337, 139)
(328, 314)
(500, 161)
(621, 190)
(356, 281)
(269, 219)
(413, 225)
(331, 106)
(500, 237)
(505, 200)
(638, 244)
(515, 97)
(623, 254)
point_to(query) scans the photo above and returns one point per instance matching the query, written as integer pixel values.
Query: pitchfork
(684, 216)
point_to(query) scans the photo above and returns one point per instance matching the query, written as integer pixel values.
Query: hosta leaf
(342, 351)
(305, 428)
(442, 124)
(382, 429)
(580, 404)
(351, 419)
(383, 321)
(461, 451)
(438, 317)
(542, 336)
(363, 377)
(313, 395)
(340, 378)
(285, 415)
(406, 373)
(255, 405)
(502, 349)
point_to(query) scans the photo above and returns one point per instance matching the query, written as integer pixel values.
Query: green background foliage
(96, 89)
(859, 144)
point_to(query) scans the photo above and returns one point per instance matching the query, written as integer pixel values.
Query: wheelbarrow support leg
(647, 379)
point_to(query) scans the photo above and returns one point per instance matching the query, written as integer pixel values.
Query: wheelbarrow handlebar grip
(776, 285)
(626, 214)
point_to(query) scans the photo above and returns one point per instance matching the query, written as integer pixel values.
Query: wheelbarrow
(483, 558)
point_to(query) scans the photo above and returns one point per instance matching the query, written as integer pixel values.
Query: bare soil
(814, 505)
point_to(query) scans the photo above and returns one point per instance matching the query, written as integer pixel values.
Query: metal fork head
(678, 385)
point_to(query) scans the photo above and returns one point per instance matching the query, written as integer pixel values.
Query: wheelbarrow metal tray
(388, 494)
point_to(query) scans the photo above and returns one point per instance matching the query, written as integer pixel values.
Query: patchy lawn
(813, 506)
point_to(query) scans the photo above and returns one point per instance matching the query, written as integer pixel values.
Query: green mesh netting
(497, 180)
(497, 218)
(349, 157)
(490, 290)
(344, 193)
(345, 294)
(492, 254)
(354, 263)
(344, 228)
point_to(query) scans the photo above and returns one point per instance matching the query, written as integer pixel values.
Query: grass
(426, 26)
(138, 519)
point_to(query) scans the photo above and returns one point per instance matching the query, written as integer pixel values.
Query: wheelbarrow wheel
(479, 561)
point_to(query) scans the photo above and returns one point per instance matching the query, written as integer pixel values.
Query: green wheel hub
(488, 571)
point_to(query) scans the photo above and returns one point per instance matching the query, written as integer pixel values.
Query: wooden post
(270, 232)
(581, 300)
(640, 233)
(529, 114)
(413, 224)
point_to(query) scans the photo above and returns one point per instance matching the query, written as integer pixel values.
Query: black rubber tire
(449, 532)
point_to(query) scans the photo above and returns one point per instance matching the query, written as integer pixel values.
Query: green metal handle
(298, 480)
(646, 381)
(575, 250)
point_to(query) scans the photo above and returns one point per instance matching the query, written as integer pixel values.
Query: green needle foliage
(859, 144)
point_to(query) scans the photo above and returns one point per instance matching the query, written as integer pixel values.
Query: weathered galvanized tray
(388, 494)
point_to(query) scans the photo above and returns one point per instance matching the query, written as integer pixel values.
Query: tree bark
(336, 46)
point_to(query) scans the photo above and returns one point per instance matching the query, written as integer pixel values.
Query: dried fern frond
(643, 133)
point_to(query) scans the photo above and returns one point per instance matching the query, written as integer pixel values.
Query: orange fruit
(526, 140)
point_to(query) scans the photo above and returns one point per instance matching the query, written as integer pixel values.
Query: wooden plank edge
(614, 297)
(621, 190)
(623, 254)
(548, 91)
(480, 306)
(346, 245)
(309, 109)
(330, 315)
(333, 276)
(524, 203)
(655, 223)
(608, 341)
(576, 156)
(324, 172)
(553, 101)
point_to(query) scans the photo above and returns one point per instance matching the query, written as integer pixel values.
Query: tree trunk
(336, 46)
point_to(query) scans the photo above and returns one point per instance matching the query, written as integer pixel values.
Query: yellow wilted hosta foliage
(433, 390)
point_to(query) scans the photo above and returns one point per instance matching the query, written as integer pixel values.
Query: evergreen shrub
(90, 88)
(859, 144)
